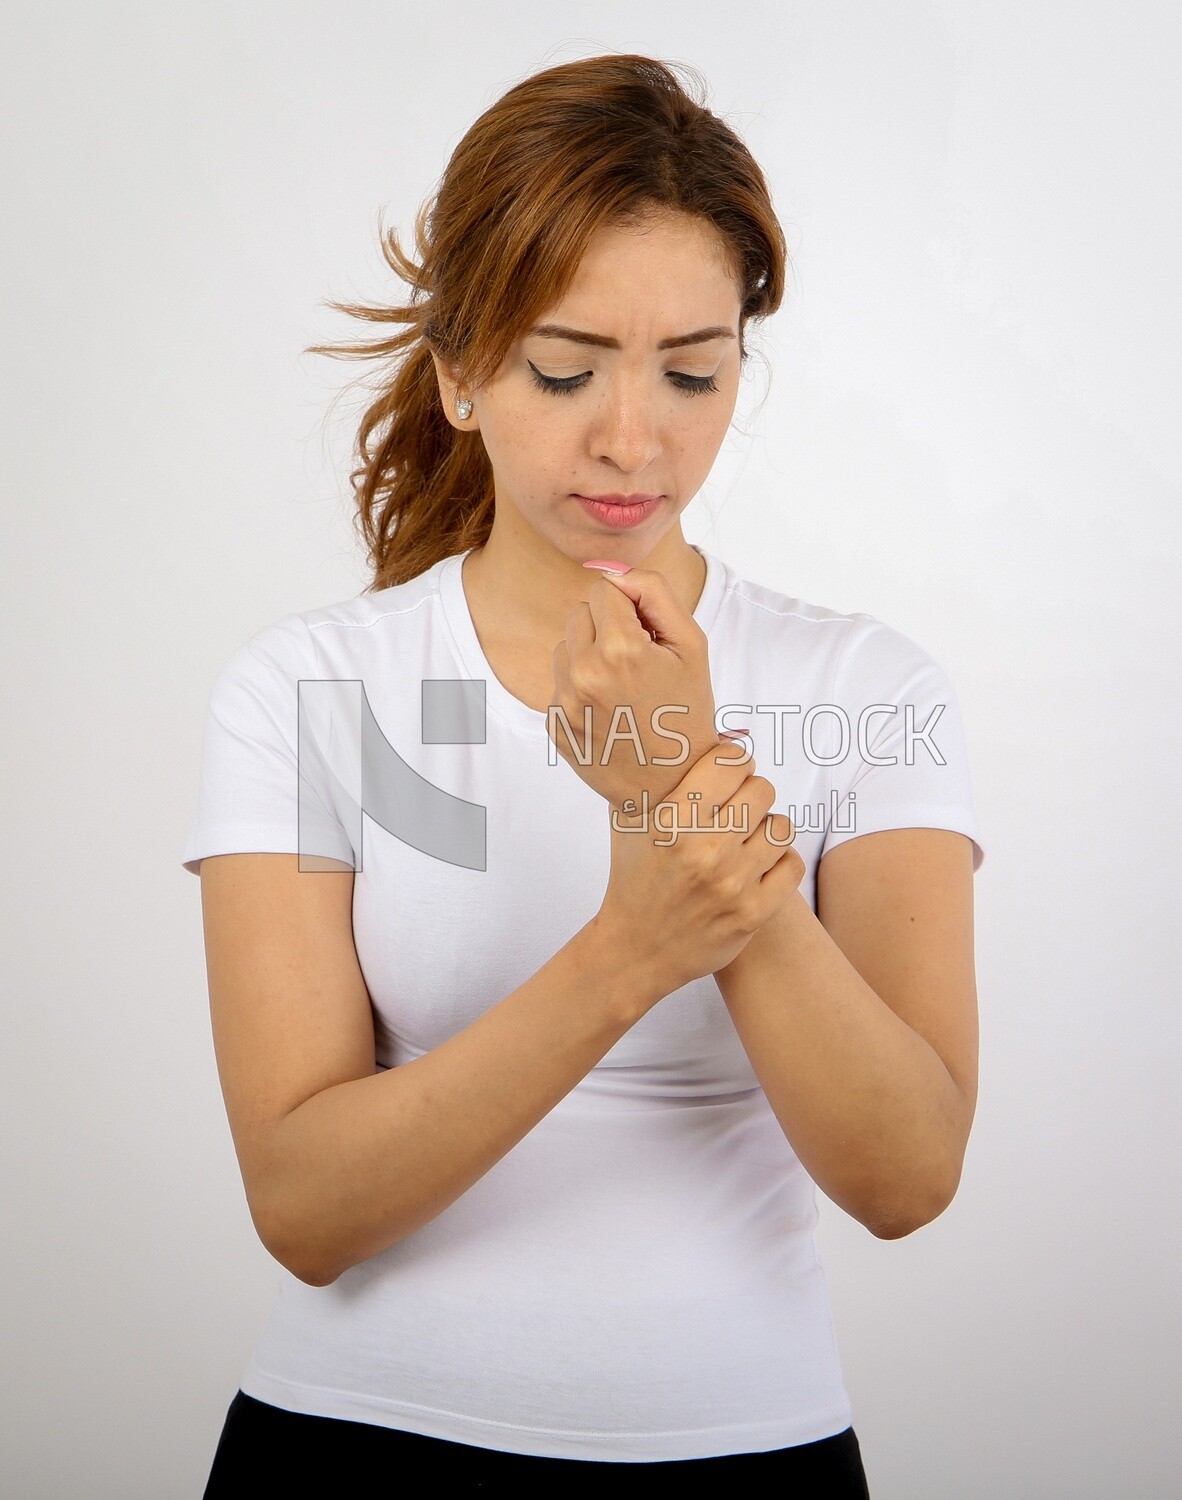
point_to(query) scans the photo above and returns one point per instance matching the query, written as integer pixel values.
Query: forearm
(865, 1102)
(363, 1164)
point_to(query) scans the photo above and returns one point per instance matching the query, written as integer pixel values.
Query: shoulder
(307, 643)
(851, 650)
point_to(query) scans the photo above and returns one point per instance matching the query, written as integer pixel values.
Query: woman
(530, 1100)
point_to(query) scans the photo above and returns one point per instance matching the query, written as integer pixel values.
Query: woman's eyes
(690, 385)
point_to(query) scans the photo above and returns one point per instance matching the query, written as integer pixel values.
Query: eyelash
(695, 384)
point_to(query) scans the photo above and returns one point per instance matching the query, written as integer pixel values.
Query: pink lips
(620, 512)
(620, 499)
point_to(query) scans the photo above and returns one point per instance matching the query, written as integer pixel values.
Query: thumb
(659, 609)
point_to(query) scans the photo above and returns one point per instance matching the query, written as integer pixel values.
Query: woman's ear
(449, 393)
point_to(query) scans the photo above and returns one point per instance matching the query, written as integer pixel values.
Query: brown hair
(597, 142)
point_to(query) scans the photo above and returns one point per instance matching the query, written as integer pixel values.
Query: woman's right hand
(688, 904)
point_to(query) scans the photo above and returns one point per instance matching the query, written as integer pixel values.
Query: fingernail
(607, 565)
(732, 734)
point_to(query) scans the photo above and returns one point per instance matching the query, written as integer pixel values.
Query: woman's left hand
(634, 646)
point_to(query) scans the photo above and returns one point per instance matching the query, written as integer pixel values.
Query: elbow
(288, 1245)
(306, 1249)
(313, 1277)
(895, 1229)
(296, 1260)
(899, 1220)
(899, 1226)
(290, 1229)
(297, 1256)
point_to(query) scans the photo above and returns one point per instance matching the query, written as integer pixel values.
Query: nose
(627, 430)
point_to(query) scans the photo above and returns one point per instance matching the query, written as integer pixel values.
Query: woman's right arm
(339, 1162)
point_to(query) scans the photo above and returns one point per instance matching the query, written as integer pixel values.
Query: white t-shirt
(637, 1279)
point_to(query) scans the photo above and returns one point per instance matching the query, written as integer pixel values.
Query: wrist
(632, 977)
(766, 943)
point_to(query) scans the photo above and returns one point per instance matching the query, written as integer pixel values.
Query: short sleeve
(251, 797)
(906, 761)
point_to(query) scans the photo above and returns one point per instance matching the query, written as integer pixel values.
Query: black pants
(266, 1450)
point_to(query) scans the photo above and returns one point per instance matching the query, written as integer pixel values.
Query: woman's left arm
(861, 1023)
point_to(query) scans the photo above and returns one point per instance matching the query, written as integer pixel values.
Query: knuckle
(781, 828)
(586, 679)
(615, 653)
(697, 864)
(729, 886)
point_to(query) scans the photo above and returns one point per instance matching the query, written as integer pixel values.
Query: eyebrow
(578, 336)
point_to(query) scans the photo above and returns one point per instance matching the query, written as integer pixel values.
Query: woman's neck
(527, 593)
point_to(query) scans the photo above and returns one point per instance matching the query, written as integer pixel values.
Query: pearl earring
(463, 410)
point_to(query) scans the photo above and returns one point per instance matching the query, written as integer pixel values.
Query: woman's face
(629, 417)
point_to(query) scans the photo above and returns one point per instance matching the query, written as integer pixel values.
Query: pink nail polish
(607, 565)
(732, 734)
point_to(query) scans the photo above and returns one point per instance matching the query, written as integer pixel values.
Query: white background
(970, 430)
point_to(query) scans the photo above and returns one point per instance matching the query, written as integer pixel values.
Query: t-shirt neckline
(498, 698)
